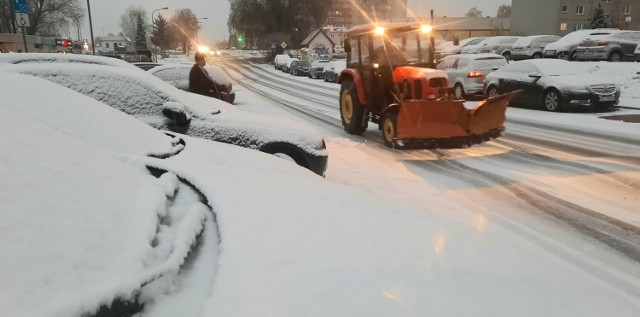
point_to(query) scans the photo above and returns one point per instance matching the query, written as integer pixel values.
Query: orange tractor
(390, 80)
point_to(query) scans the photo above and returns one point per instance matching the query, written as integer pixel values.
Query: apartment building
(348, 13)
(561, 17)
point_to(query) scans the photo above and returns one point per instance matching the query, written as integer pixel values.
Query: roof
(465, 24)
(313, 35)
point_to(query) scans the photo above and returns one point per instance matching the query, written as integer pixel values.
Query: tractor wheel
(389, 128)
(552, 100)
(351, 111)
(458, 91)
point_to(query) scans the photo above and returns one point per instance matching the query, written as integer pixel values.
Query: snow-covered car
(614, 47)
(146, 65)
(178, 76)
(28, 58)
(316, 70)
(552, 83)
(466, 72)
(165, 107)
(285, 65)
(451, 49)
(531, 46)
(299, 68)
(565, 48)
(332, 73)
(281, 59)
(500, 45)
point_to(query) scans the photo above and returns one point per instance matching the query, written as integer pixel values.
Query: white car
(466, 72)
(164, 106)
(531, 46)
(451, 49)
(500, 45)
(565, 48)
(281, 59)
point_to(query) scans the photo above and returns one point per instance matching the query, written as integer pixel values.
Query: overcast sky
(106, 13)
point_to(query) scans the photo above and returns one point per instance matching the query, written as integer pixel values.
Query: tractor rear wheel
(351, 111)
(389, 128)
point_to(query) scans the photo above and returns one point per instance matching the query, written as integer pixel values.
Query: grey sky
(106, 13)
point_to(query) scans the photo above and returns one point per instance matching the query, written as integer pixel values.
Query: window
(580, 10)
(565, 9)
(606, 1)
(106, 45)
(627, 9)
(563, 26)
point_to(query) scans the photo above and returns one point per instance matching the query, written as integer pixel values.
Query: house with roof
(114, 44)
(318, 42)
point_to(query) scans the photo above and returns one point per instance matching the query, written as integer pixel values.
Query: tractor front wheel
(389, 128)
(351, 111)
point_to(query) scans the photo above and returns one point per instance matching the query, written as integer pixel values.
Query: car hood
(576, 82)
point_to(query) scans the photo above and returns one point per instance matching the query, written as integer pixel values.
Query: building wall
(535, 17)
(340, 13)
(561, 17)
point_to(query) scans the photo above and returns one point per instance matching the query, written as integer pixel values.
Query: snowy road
(569, 182)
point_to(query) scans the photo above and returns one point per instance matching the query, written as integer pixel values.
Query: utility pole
(93, 45)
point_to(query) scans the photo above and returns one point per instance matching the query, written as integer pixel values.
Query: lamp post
(200, 19)
(93, 45)
(153, 27)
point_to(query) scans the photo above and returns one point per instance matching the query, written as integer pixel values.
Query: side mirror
(177, 113)
(535, 75)
(347, 46)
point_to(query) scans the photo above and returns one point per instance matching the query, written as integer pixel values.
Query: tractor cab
(391, 80)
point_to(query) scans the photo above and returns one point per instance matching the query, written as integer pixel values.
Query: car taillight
(603, 43)
(475, 75)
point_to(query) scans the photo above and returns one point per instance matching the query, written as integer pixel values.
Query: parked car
(500, 45)
(332, 74)
(452, 49)
(316, 70)
(145, 65)
(165, 107)
(299, 68)
(565, 48)
(281, 59)
(531, 46)
(25, 58)
(612, 47)
(466, 72)
(178, 76)
(286, 65)
(552, 83)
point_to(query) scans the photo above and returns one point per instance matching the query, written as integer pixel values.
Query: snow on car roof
(17, 58)
(76, 222)
(70, 112)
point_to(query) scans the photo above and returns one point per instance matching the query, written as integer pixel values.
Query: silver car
(466, 72)
(565, 48)
(614, 47)
(531, 46)
(500, 45)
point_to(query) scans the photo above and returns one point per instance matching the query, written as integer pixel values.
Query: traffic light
(240, 39)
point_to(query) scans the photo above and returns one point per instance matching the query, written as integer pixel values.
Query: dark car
(614, 47)
(332, 73)
(299, 68)
(178, 76)
(552, 84)
(317, 68)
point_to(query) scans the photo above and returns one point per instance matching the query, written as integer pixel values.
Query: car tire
(492, 91)
(537, 55)
(389, 127)
(615, 57)
(552, 100)
(458, 91)
(336, 78)
(352, 113)
(325, 78)
(507, 55)
(572, 56)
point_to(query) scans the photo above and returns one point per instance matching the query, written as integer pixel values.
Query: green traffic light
(240, 39)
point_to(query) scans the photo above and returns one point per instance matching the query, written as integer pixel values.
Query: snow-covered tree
(504, 11)
(597, 19)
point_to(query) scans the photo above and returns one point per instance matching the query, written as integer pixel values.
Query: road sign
(21, 6)
(22, 20)
(283, 44)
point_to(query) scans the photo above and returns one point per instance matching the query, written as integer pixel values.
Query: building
(10, 42)
(336, 33)
(319, 42)
(348, 13)
(449, 28)
(113, 44)
(560, 17)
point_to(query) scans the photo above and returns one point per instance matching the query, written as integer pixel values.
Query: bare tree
(185, 27)
(504, 11)
(129, 21)
(474, 13)
(46, 17)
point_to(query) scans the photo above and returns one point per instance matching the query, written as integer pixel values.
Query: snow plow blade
(448, 124)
